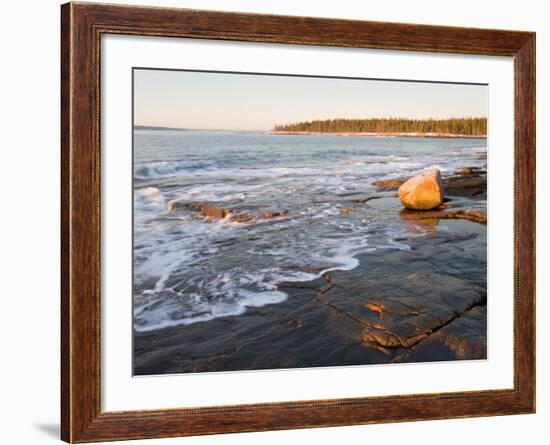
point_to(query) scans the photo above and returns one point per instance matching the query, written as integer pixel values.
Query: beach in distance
(291, 248)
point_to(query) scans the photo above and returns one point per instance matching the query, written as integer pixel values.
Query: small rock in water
(269, 215)
(474, 215)
(423, 191)
(183, 205)
(246, 217)
(242, 217)
(210, 211)
(375, 307)
(392, 183)
(446, 206)
(465, 171)
(437, 214)
(346, 210)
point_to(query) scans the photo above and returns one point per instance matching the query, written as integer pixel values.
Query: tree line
(464, 126)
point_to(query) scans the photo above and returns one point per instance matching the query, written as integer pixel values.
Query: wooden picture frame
(82, 25)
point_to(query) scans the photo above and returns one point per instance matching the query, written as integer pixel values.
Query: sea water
(189, 269)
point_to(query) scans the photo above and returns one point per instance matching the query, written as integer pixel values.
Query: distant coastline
(150, 127)
(377, 134)
(465, 128)
(455, 127)
(217, 130)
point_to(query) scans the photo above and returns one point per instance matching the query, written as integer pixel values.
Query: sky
(225, 101)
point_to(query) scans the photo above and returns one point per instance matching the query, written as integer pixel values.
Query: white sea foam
(164, 169)
(149, 199)
(234, 299)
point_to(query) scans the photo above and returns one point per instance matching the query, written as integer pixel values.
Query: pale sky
(222, 101)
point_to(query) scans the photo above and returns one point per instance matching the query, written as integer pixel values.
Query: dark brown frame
(82, 25)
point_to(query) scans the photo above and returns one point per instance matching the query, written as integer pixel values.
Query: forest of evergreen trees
(462, 126)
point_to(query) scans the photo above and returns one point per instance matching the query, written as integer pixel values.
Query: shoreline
(347, 317)
(320, 325)
(374, 134)
(247, 317)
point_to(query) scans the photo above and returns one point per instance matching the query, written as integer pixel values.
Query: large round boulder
(423, 191)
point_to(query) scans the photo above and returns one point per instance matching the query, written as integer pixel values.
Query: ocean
(189, 269)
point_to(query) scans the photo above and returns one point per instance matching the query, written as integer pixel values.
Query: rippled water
(188, 270)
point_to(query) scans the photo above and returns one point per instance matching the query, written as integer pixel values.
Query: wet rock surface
(214, 211)
(437, 214)
(431, 295)
(464, 339)
(437, 312)
(467, 181)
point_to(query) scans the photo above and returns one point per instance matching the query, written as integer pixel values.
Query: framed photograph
(274, 222)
